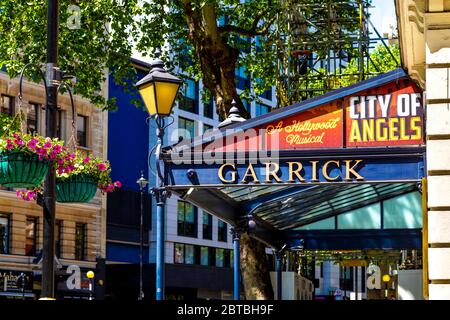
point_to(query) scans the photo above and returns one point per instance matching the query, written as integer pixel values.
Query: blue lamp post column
(159, 89)
(236, 233)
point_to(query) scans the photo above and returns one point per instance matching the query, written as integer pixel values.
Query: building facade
(80, 228)
(197, 243)
(424, 35)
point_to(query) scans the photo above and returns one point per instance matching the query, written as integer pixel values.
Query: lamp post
(90, 274)
(386, 279)
(159, 89)
(142, 182)
(52, 83)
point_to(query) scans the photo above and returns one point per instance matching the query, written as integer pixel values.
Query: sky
(382, 14)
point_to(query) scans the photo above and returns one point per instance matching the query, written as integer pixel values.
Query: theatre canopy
(307, 162)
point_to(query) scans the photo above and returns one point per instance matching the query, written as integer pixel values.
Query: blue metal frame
(376, 168)
(356, 239)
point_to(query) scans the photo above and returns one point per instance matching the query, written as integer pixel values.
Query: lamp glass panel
(148, 95)
(166, 93)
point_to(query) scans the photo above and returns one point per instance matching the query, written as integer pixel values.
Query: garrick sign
(297, 172)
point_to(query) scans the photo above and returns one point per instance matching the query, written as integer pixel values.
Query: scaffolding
(315, 42)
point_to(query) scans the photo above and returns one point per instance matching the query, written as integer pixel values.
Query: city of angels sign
(388, 115)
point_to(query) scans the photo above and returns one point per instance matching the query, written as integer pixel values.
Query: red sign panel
(388, 115)
(320, 127)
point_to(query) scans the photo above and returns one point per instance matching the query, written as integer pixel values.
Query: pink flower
(60, 161)
(48, 143)
(60, 170)
(86, 160)
(19, 142)
(9, 144)
(32, 144)
(57, 149)
(118, 184)
(101, 166)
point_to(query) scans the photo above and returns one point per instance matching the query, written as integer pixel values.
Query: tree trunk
(255, 272)
(217, 58)
(218, 63)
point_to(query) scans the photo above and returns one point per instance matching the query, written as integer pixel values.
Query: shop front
(333, 161)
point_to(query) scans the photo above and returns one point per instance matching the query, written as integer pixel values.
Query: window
(204, 256)
(189, 100)
(261, 109)
(186, 128)
(60, 125)
(80, 241)
(207, 226)
(207, 128)
(242, 81)
(179, 253)
(187, 217)
(58, 238)
(4, 233)
(227, 259)
(220, 257)
(31, 236)
(189, 257)
(246, 104)
(184, 253)
(222, 231)
(208, 109)
(82, 131)
(267, 94)
(7, 105)
(32, 118)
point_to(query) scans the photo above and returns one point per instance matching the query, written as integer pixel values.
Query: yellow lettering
(355, 134)
(250, 173)
(233, 173)
(368, 130)
(351, 170)
(381, 136)
(417, 128)
(393, 129)
(403, 135)
(325, 171)
(296, 172)
(273, 172)
(314, 170)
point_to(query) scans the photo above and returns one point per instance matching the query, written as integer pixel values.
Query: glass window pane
(363, 218)
(326, 224)
(189, 254)
(261, 109)
(179, 253)
(7, 105)
(4, 234)
(80, 241)
(404, 211)
(82, 130)
(30, 233)
(204, 256)
(32, 118)
(189, 215)
(219, 257)
(189, 91)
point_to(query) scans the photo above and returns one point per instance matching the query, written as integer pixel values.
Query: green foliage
(111, 30)
(85, 52)
(381, 60)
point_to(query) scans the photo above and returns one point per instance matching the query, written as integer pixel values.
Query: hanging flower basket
(76, 188)
(21, 170)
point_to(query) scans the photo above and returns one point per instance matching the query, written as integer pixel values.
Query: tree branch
(228, 28)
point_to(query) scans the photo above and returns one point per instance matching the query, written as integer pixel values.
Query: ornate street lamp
(142, 182)
(90, 274)
(159, 90)
(386, 279)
